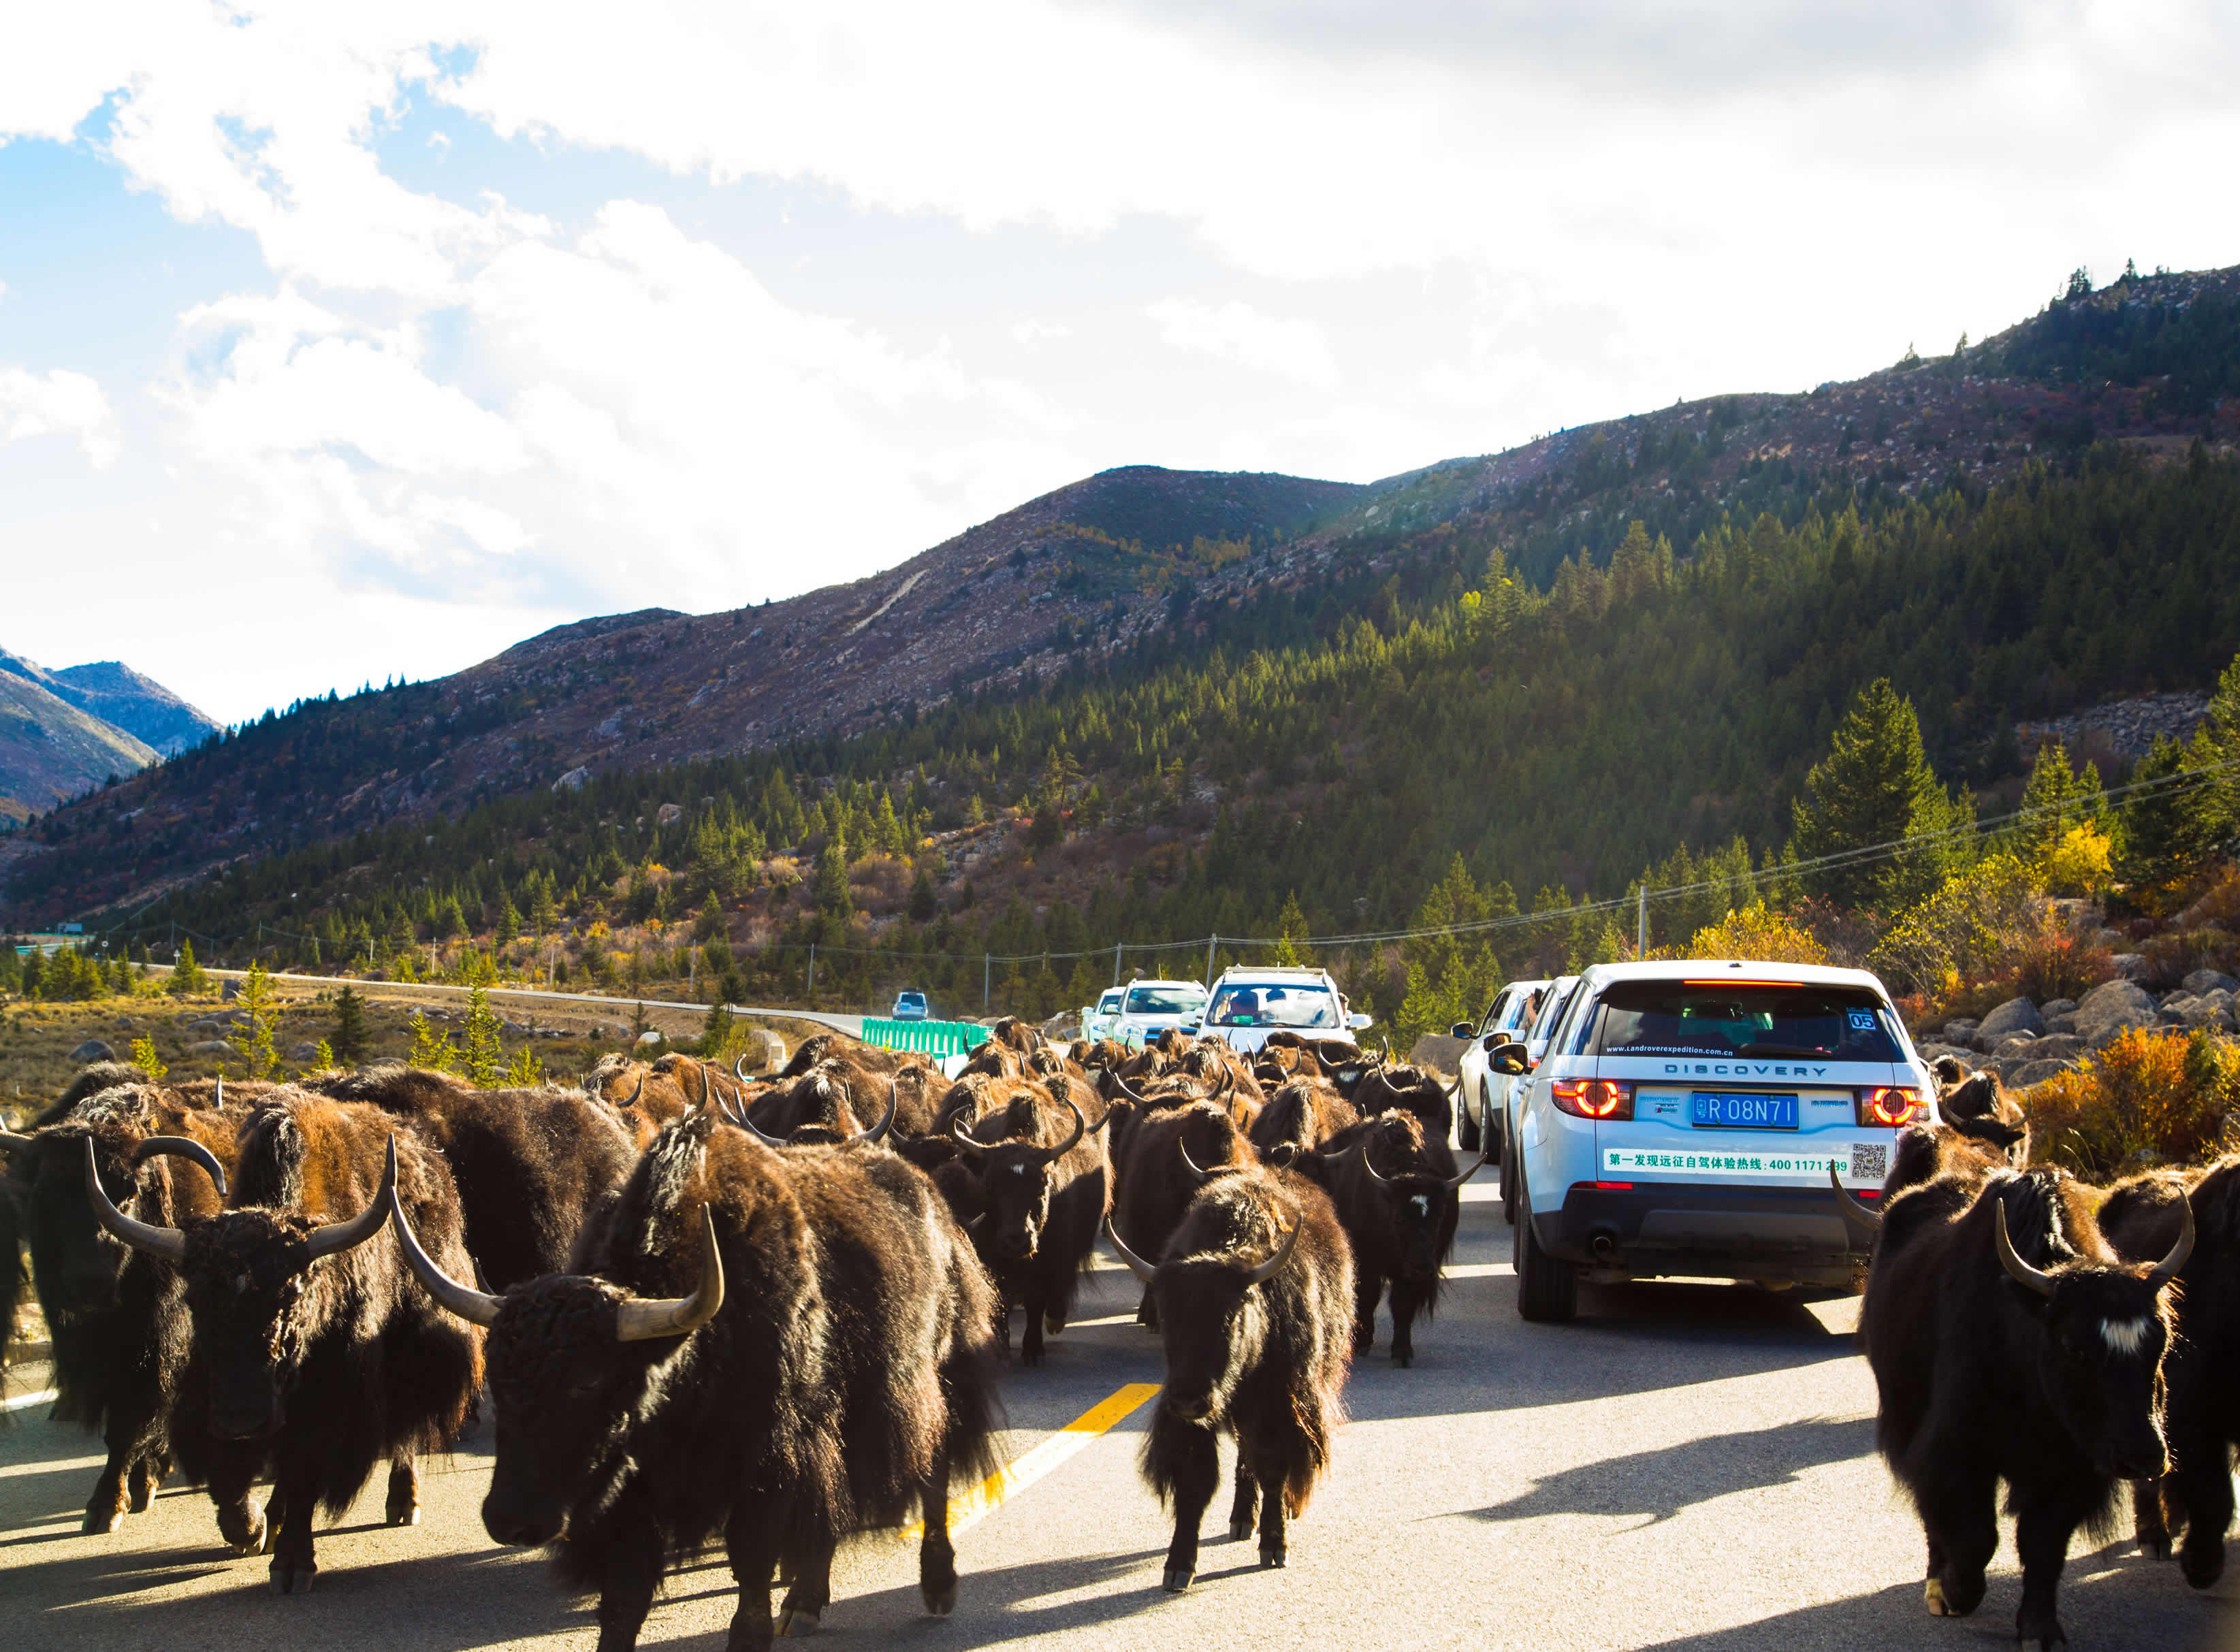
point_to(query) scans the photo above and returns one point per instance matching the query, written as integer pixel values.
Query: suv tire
(1547, 1287)
(1508, 1164)
(1466, 1126)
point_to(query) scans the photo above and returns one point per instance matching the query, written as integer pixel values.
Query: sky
(340, 342)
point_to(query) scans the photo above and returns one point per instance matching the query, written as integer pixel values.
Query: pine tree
(1874, 786)
(188, 980)
(144, 1057)
(348, 1039)
(509, 919)
(830, 887)
(260, 1015)
(482, 1053)
(2172, 830)
(1290, 928)
(543, 913)
(431, 1049)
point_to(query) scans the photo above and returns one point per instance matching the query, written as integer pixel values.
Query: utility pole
(1117, 945)
(812, 970)
(1640, 932)
(1212, 942)
(987, 975)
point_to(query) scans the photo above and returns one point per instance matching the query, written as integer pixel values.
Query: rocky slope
(49, 750)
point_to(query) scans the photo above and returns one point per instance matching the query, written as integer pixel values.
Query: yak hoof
(1403, 1361)
(258, 1539)
(407, 1515)
(2202, 1566)
(2048, 1634)
(1031, 1356)
(1933, 1598)
(940, 1602)
(100, 1521)
(1272, 1558)
(1053, 1324)
(796, 1623)
(1239, 1531)
(2155, 1548)
(290, 1579)
(1177, 1580)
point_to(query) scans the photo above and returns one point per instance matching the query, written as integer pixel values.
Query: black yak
(1255, 1290)
(1045, 1185)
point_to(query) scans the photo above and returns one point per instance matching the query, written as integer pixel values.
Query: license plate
(1710, 1110)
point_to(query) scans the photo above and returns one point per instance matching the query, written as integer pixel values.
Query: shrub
(2079, 863)
(2150, 1090)
(1963, 930)
(2052, 965)
(2172, 957)
(1753, 932)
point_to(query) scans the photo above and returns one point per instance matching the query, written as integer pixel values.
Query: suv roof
(1740, 969)
(1162, 981)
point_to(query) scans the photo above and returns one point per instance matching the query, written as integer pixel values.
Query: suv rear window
(1255, 1004)
(1743, 1018)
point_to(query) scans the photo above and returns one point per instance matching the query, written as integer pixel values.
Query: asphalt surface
(1687, 1466)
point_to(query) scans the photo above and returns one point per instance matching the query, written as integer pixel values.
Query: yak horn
(747, 1124)
(638, 1321)
(962, 1140)
(894, 1092)
(476, 1307)
(220, 1101)
(1051, 1155)
(701, 1068)
(1130, 1090)
(185, 1148)
(639, 1091)
(1191, 1164)
(2165, 1271)
(166, 1244)
(1136, 1265)
(1857, 1206)
(1268, 1269)
(2024, 1273)
(1456, 1181)
(739, 1068)
(338, 1236)
(10, 1139)
(1361, 1149)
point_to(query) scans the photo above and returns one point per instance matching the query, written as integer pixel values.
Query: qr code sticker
(1869, 1160)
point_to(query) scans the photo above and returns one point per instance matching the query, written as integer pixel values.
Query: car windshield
(1770, 1018)
(1164, 1001)
(1255, 1004)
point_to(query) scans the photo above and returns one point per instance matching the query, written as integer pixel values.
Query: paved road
(620, 1008)
(1686, 1467)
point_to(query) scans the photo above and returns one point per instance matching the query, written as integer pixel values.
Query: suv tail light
(1888, 1107)
(1600, 1098)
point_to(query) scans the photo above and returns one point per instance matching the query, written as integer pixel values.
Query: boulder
(2064, 1024)
(90, 1051)
(1438, 1050)
(2129, 966)
(2017, 1046)
(1959, 1031)
(303, 1052)
(211, 1047)
(765, 1051)
(2202, 982)
(572, 780)
(2016, 1015)
(2200, 1012)
(1933, 1052)
(649, 1036)
(2053, 1007)
(228, 990)
(2035, 1072)
(2111, 1006)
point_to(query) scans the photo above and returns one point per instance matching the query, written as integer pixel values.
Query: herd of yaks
(704, 1307)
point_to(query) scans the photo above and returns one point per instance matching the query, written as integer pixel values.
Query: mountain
(50, 749)
(1132, 575)
(140, 706)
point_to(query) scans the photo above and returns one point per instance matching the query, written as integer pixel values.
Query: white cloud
(58, 402)
(1236, 332)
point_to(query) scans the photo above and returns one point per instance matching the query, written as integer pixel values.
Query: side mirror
(1357, 1022)
(1461, 1030)
(1509, 1059)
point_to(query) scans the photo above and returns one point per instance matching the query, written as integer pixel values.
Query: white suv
(1685, 1118)
(1249, 1003)
(1097, 1019)
(1149, 1008)
(1506, 1021)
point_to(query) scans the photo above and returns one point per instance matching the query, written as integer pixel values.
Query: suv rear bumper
(1722, 1231)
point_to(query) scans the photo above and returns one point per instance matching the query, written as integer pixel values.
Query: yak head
(571, 1358)
(253, 1289)
(1213, 1315)
(2104, 1332)
(1420, 1207)
(1018, 1178)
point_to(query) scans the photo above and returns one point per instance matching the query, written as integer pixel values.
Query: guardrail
(925, 1037)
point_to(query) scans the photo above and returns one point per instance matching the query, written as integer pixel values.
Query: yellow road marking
(975, 1505)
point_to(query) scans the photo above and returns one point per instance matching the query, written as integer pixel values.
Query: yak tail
(968, 1394)
(1309, 1452)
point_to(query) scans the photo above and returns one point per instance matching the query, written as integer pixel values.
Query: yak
(1045, 1186)
(530, 1164)
(1400, 1219)
(782, 1348)
(1305, 1113)
(314, 1356)
(2142, 1218)
(1406, 1089)
(1168, 1156)
(117, 1319)
(2009, 1342)
(1254, 1288)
